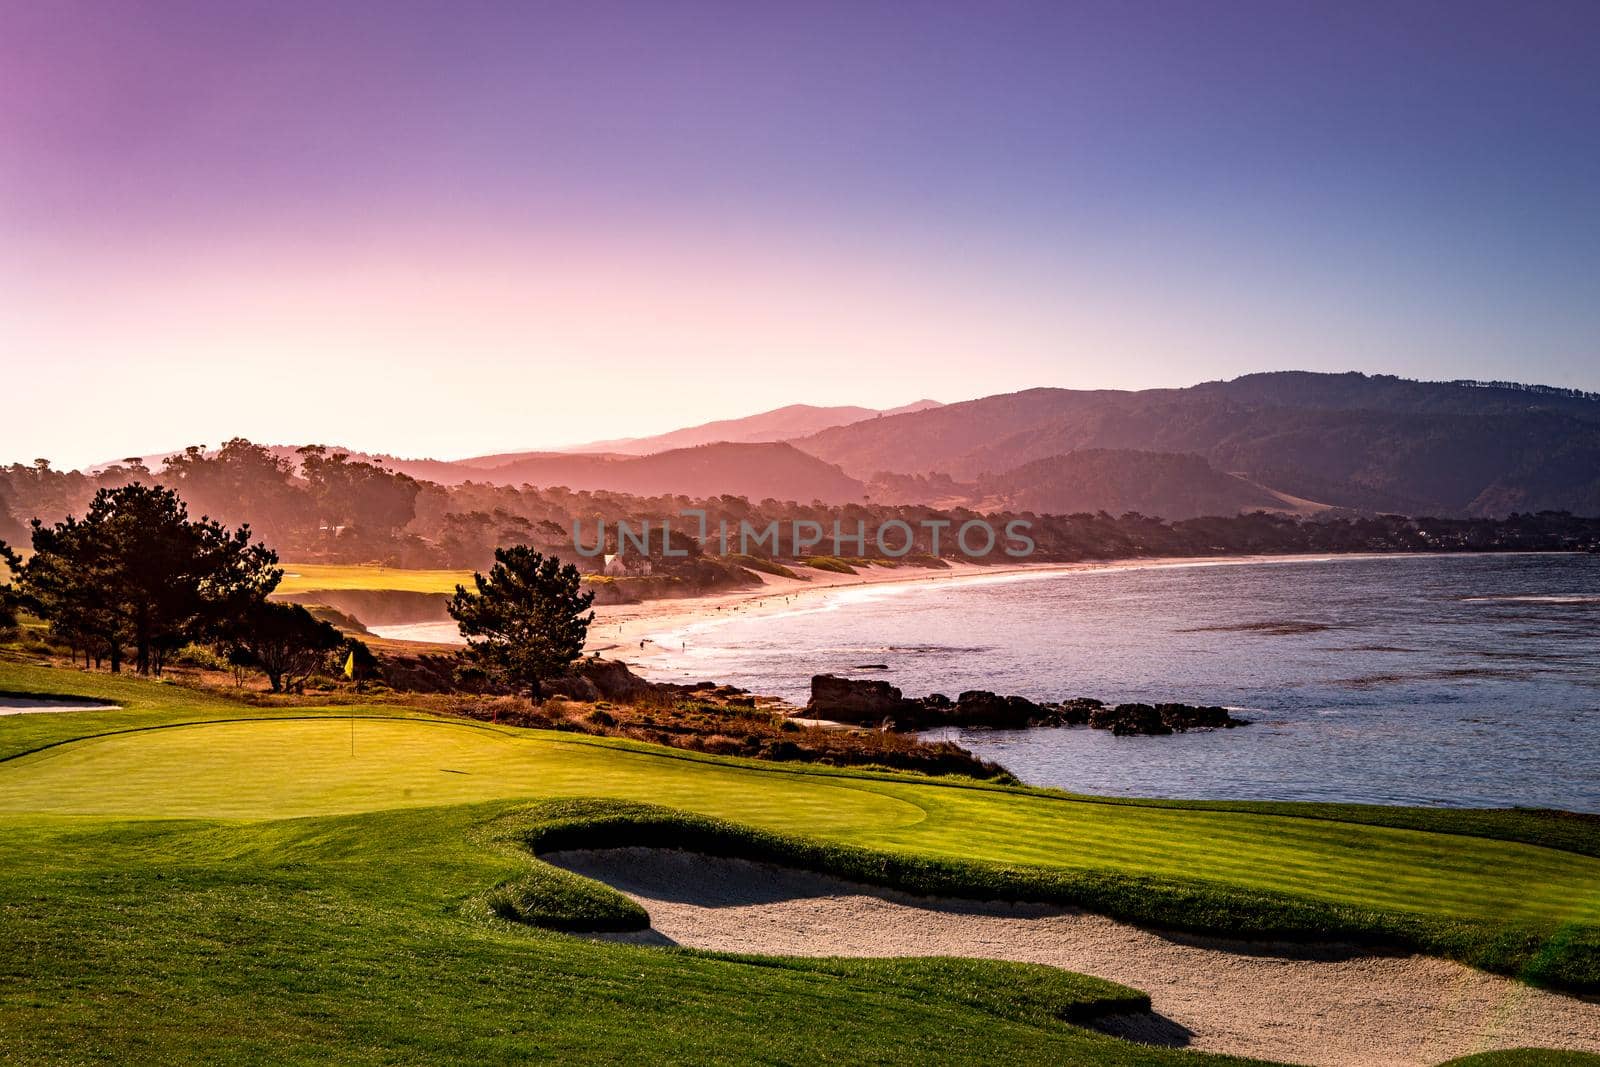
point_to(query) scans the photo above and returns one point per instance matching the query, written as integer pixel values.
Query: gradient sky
(454, 228)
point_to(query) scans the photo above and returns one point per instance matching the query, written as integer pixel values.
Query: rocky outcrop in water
(855, 700)
(1162, 718)
(876, 702)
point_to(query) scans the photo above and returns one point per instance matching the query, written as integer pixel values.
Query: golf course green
(280, 884)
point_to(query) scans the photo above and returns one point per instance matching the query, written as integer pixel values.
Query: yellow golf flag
(350, 666)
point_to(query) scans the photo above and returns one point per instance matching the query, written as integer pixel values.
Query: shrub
(202, 656)
(765, 566)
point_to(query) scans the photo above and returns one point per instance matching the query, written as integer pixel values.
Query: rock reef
(877, 702)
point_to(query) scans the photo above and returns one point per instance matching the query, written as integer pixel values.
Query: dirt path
(1279, 1002)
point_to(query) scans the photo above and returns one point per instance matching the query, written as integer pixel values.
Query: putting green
(278, 768)
(287, 768)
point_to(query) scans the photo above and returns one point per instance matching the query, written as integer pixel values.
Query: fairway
(307, 577)
(282, 768)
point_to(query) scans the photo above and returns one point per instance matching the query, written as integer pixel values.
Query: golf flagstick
(350, 673)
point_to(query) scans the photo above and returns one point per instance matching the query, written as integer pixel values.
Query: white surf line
(1322, 1006)
(663, 644)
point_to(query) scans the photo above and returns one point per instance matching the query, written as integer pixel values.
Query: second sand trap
(1331, 1005)
(33, 705)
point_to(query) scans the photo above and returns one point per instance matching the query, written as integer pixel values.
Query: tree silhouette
(135, 571)
(284, 641)
(527, 621)
(8, 593)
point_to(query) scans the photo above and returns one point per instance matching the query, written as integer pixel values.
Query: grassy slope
(372, 906)
(355, 939)
(267, 769)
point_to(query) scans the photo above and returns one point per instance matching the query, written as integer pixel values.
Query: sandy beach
(641, 633)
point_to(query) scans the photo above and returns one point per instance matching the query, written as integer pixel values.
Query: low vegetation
(728, 722)
(764, 566)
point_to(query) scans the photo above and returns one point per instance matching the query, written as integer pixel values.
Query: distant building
(620, 566)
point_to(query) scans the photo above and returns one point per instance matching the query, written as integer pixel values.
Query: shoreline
(639, 634)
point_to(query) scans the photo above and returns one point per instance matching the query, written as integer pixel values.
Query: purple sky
(457, 228)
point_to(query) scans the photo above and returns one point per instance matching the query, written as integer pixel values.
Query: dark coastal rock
(856, 700)
(1076, 712)
(1189, 717)
(611, 679)
(978, 707)
(572, 687)
(1126, 719)
(864, 701)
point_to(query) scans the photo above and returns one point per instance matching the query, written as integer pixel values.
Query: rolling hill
(780, 424)
(1348, 440)
(1288, 440)
(1116, 481)
(755, 471)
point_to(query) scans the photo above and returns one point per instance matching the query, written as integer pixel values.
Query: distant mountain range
(1343, 440)
(1288, 441)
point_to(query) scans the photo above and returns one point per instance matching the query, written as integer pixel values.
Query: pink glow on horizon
(418, 229)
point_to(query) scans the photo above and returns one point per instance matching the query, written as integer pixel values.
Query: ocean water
(1448, 680)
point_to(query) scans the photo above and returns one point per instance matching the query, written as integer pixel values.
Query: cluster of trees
(321, 505)
(310, 502)
(1522, 387)
(136, 579)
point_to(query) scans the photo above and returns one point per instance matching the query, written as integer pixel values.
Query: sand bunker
(24, 705)
(1323, 1005)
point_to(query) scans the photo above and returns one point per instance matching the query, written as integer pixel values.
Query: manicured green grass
(304, 577)
(364, 939)
(1505, 905)
(142, 703)
(196, 877)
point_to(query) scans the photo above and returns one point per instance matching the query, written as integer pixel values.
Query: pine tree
(527, 621)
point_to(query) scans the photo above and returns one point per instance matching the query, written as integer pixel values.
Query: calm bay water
(1453, 680)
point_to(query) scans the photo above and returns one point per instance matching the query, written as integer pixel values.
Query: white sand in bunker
(1291, 1003)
